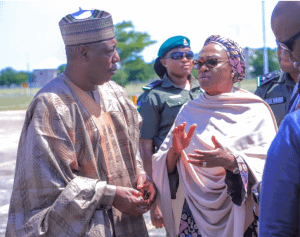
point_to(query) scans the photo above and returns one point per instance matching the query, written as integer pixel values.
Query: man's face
(285, 62)
(284, 27)
(102, 61)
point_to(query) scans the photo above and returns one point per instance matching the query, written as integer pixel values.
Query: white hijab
(245, 125)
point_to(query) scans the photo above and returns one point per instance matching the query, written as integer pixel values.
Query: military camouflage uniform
(276, 89)
(159, 106)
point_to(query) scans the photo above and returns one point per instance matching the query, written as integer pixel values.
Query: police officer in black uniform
(162, 100)
(277, 87)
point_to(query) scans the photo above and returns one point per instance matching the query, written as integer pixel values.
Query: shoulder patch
(152, 85)
(267, 77)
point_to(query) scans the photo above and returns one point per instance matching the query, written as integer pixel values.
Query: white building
(43, 76)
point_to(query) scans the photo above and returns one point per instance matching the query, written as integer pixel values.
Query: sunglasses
(210, 63)
(288, 44)
(179, 55)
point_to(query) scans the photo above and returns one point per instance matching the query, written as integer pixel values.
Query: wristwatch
(236, 170)
(256, 192)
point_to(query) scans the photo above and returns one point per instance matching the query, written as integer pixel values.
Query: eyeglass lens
(288, 44)
(210, 63)
(283, 46)
(180, 55)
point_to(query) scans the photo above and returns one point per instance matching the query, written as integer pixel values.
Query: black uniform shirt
(276, 89)
(159, 107)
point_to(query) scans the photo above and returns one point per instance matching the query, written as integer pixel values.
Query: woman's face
(178, 67)
(219, 79)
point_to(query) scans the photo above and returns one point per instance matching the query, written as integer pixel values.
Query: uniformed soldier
(162, 100)
(277, 87)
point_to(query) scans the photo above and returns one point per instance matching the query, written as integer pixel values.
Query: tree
(21, 77)
(257, 62)
(62, 68)
(138, 70)
(131, 44)
(10, 76)
(7, 76)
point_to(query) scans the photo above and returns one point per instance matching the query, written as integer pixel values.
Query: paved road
(11, 123)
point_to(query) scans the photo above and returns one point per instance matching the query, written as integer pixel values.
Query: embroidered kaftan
(64, 185)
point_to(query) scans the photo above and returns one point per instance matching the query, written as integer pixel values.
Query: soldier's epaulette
(267, 77)
(152, 85)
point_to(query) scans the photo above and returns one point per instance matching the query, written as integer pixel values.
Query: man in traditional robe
(78, 170)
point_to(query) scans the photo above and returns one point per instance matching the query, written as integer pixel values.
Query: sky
(30, 37)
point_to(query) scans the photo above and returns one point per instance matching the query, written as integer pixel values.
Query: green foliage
(21, 77)
(131, 44)
(7, 76)
(62, 68)
(10, 76)
(138, 70)
(257, 62)
(194, 72)
(120, 77)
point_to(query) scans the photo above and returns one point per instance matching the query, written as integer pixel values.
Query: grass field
(16, 99)
(19, 99)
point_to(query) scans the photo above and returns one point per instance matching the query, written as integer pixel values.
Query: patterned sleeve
(121, 92)
(237, 184)
(139, 162)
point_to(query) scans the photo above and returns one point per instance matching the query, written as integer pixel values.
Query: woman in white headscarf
(223, 154)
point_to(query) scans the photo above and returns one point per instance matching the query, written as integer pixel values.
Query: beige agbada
(242, 123)
(71, 157)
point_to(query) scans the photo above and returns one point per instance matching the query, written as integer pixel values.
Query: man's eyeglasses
(179, 55)
(288, 44)
(210, 63)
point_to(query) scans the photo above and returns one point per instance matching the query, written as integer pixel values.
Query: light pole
(266, 65)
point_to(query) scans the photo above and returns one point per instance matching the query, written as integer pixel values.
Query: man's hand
(147, 187)
(130, 201)
(156, 216)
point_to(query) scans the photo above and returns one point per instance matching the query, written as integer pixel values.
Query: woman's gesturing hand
(181, 140)
(214, 158)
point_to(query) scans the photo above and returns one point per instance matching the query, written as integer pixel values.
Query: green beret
(173, 42)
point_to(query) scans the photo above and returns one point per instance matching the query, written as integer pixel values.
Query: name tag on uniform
(276, 100)
(175, 96)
